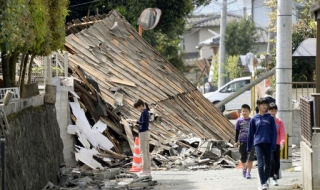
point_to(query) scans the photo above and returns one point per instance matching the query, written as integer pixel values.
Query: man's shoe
(275, 183)
(248, 175)
(264, 187)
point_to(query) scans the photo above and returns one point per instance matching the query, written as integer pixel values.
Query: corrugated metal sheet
(116, 56)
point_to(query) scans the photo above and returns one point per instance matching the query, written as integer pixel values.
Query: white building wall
(205, 34)
(190, 43)
(260, 49)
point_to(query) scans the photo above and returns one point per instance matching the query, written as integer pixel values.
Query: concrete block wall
(306, 165)
(316, 161)
(296, 127)
(17, 106)
(63, 117)
(310, 163)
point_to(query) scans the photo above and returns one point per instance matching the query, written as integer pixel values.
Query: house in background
(200, 42)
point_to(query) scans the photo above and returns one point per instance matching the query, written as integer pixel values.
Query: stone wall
(34, 149)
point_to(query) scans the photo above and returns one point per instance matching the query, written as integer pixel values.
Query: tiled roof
(114, 55)
(215, 41)
(198, 18)
(214, 21)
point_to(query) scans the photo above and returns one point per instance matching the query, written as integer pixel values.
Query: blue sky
(215, 7)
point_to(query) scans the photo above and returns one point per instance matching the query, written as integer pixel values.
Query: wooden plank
(128, 133)
(89, 106)
(143, 66)
(83, 90)
(111, 138)
(84, 79)
(124, 81)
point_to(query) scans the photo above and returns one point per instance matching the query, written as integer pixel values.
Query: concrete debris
(102, 179)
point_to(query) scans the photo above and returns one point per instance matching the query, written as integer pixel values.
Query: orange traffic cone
(137, 160)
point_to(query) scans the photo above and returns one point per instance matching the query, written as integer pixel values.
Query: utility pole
(284, 72)
(222, 48)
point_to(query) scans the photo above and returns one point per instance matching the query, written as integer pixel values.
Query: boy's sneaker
(274, 182)
(244, 172)
(264, 187)
(268, 181)
(248, 175)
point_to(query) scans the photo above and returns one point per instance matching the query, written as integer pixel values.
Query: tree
(302, 70)
(165, 37)
(240, 36)
(29, 28)
(232, 69)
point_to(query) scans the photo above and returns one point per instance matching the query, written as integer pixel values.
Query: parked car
(228, 89)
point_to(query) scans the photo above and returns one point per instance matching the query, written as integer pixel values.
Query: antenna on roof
(149, 19)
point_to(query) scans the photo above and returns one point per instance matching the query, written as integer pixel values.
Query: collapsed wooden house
(114, 66)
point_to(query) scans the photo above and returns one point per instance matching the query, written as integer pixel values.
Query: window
(235, 86)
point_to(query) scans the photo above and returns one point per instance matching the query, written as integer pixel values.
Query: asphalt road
(221, 179)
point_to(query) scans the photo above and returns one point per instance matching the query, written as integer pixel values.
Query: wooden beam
(128, 133)
(84, 79)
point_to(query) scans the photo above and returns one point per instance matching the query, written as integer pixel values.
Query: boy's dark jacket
(262, 129)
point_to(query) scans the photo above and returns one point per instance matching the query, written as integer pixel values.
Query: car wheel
(221, 108)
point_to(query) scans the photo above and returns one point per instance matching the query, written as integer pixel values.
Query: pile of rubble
(105, 138)
(112, 66)
(187, 154)
(195, 153)
(105, 143)
(102, 179)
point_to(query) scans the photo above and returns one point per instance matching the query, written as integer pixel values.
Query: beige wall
(190, 42)
(205, 34)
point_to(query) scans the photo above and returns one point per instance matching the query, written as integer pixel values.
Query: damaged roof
(116, 57)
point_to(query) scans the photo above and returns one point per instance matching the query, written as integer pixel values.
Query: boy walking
(262, 135)
(281, 133)
(242, 128)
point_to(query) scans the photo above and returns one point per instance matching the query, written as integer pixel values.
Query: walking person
(262, 135)
(242, 128)
(268, 95)
(281, 134)
(144, 135)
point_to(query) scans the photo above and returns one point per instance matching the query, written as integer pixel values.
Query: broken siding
(116, 56)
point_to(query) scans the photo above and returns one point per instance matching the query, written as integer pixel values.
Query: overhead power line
(83, 3)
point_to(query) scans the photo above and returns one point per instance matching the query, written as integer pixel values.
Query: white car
(227, 90)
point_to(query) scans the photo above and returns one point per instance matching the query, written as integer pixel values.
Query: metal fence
(302, 89)
(307, 119)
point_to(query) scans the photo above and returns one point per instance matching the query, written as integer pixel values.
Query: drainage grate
(307, 118)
